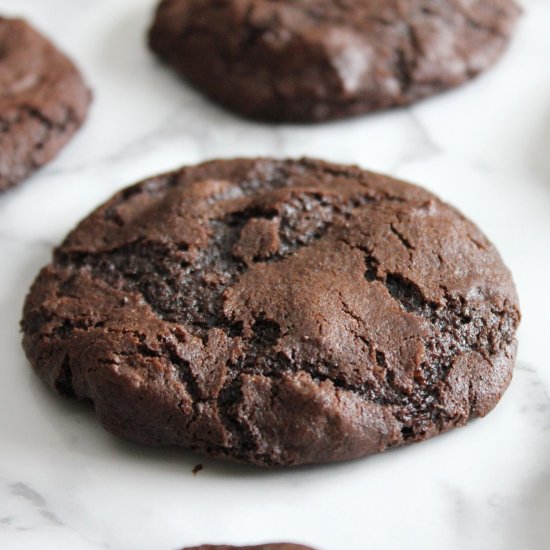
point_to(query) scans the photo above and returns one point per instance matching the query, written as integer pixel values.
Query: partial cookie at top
(276, 313)
(316, 60)
(43, 101)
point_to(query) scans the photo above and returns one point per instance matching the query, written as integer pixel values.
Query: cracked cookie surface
(316, 60)
(43, 101)
(276, 312)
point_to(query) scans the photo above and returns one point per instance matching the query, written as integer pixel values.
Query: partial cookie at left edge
(43, 101)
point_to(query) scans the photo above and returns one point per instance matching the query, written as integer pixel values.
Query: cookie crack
(404, 241)
(228, 400)
(179, 291)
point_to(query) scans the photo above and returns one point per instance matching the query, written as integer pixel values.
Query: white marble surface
(65, 483)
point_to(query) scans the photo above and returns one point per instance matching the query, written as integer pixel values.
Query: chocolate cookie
(280, 546)
(276, 312)
(43, 101)
(316, 60)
